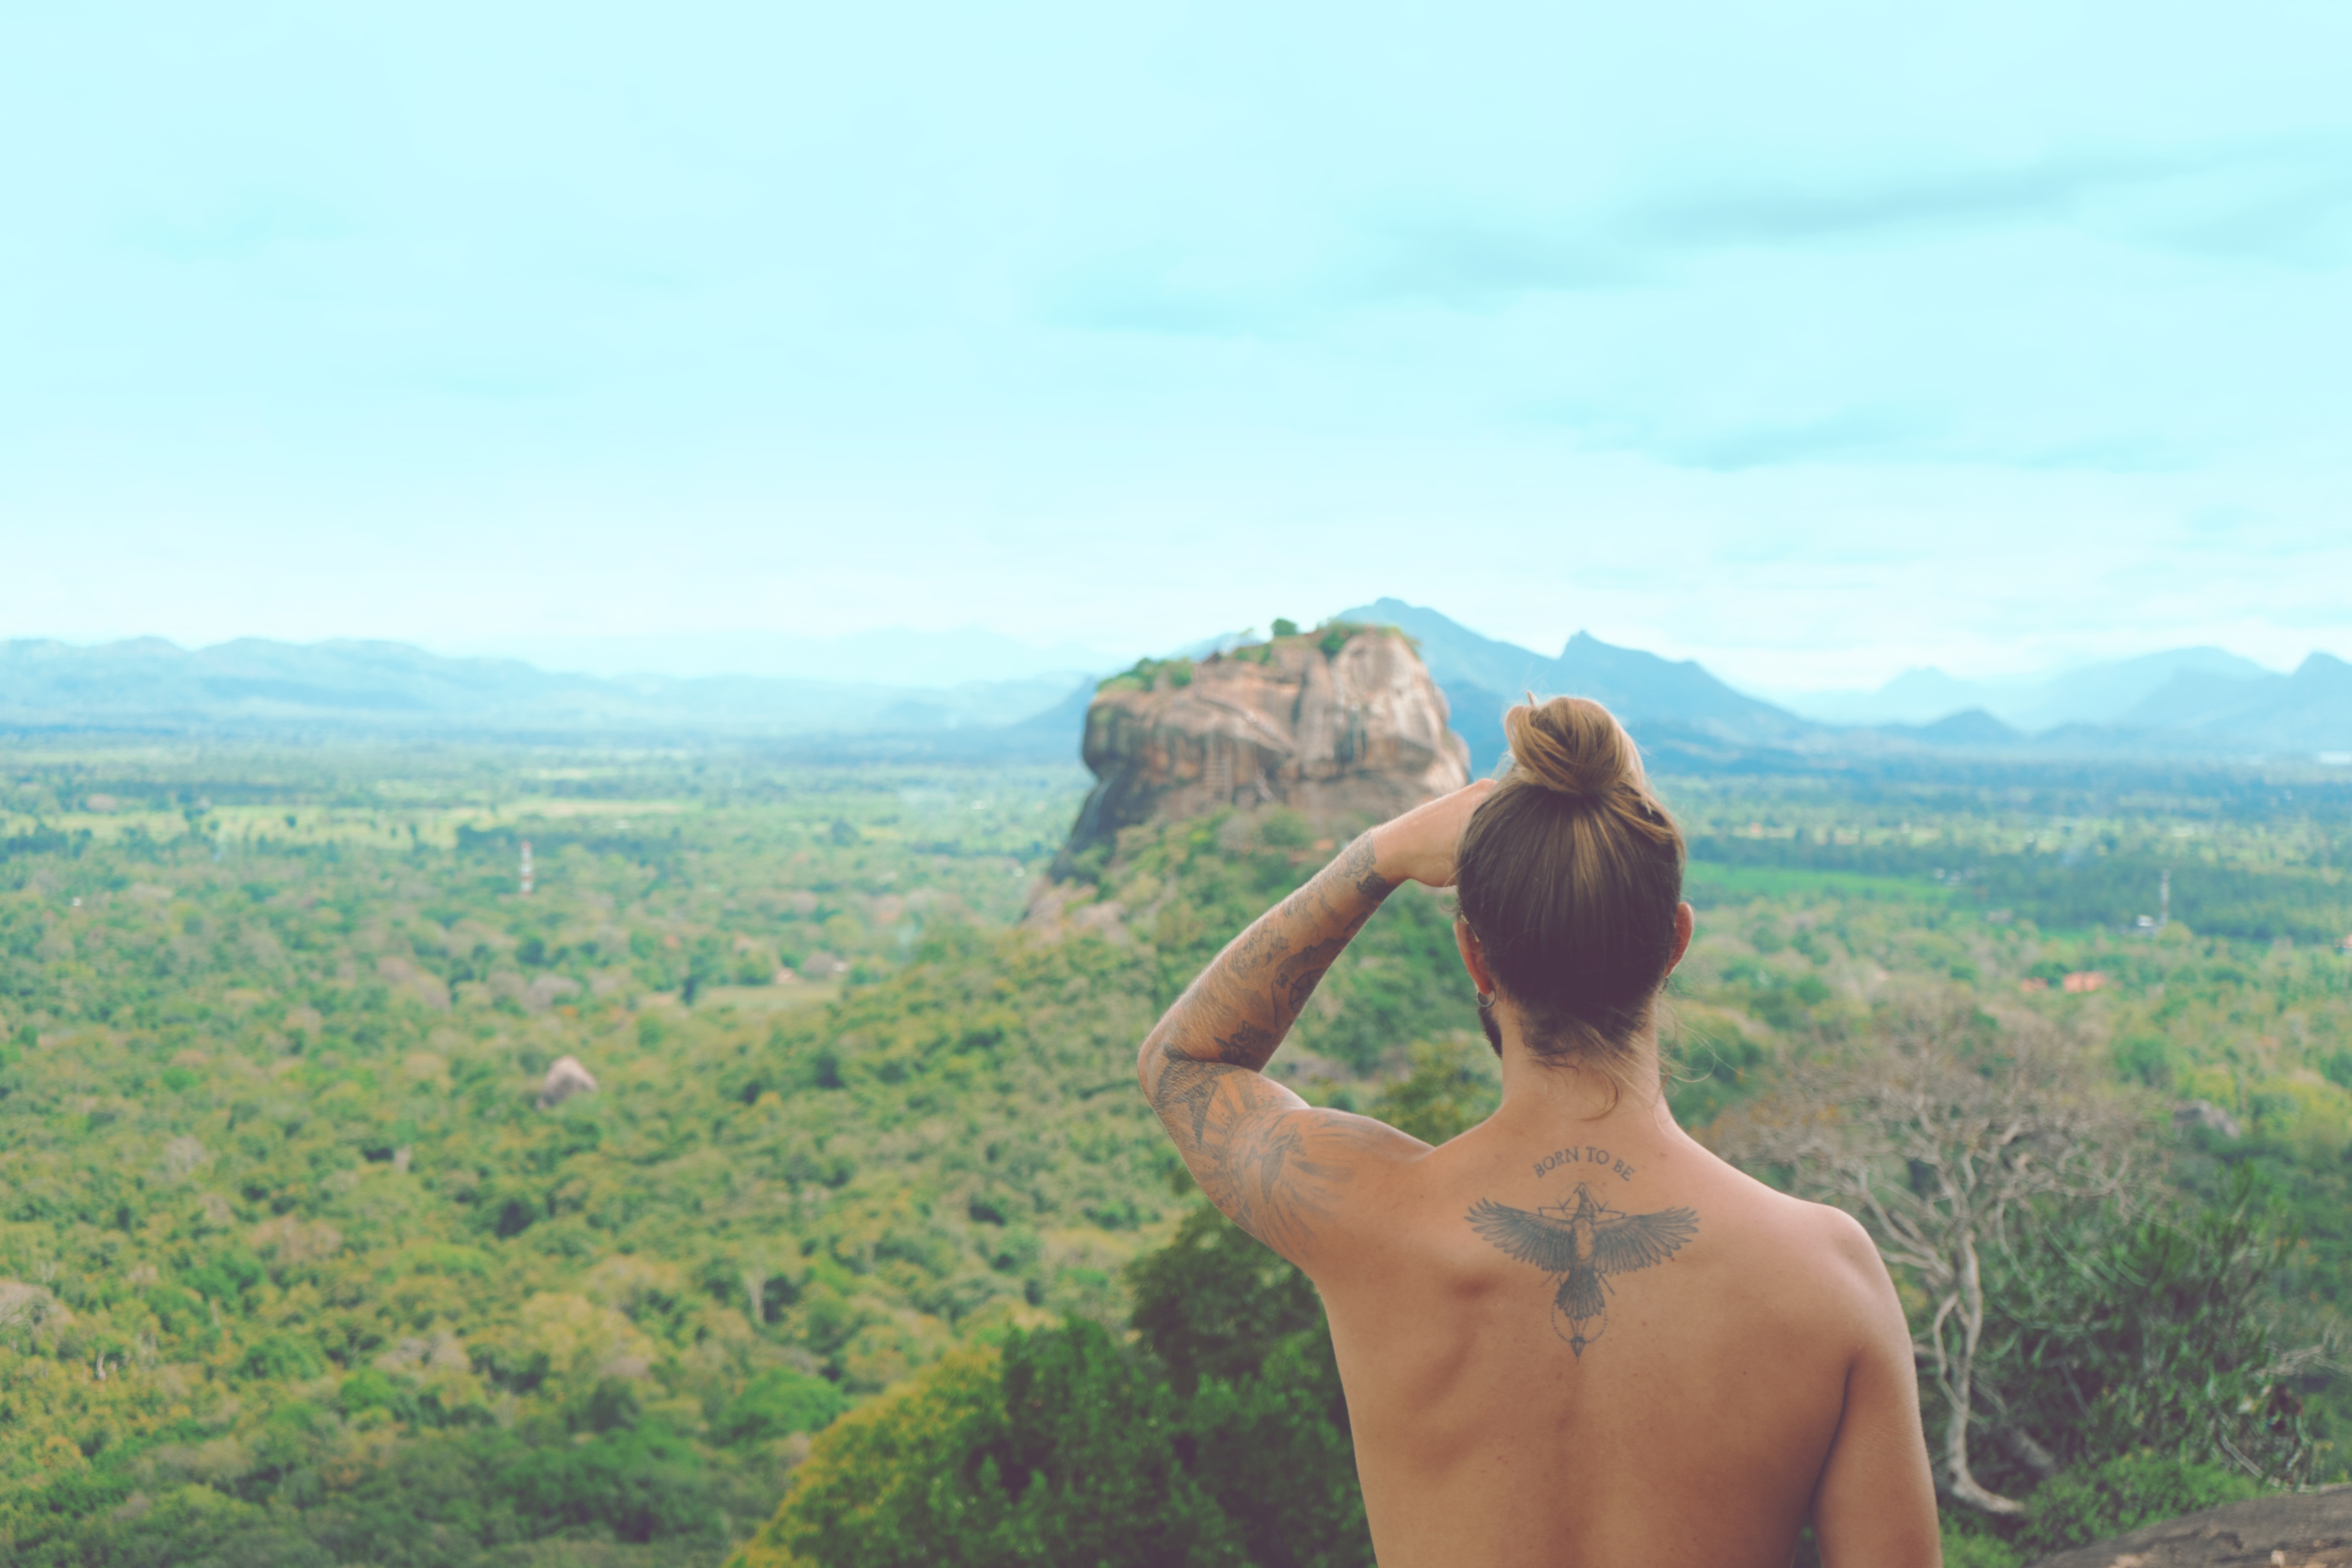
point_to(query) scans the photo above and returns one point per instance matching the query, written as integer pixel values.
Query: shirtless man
(1571, 1335)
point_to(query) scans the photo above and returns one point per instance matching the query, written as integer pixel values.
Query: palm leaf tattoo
(1583, 1241)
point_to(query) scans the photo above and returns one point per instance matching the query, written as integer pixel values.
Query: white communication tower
(526, 868)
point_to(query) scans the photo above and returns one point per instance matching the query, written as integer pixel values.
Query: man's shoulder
(1362, 1171)
(1849, 1258)
(1843, 1271)
(1821, 1250)
(1822, 1225)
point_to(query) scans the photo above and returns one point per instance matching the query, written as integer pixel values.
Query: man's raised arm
(1278, 1166)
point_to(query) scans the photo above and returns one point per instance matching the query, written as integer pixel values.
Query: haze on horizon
(1815, 342)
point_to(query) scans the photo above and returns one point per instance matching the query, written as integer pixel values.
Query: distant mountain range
(1676, 707)
(897, 656)
(2106, 693)
(2185, 700)
(257, 685)
(2187, 703)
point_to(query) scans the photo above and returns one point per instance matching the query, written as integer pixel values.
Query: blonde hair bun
(1574, 747)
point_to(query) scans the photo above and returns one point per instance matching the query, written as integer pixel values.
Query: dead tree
(1938, 1136)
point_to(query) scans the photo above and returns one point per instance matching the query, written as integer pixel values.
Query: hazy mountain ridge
(2183, 702)
(2104, 693)
(2194, 702)
(252, 682)
(2309, 709)
(1675, 706)
(895, 656)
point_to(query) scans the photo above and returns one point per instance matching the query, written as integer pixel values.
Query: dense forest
(864, 1249)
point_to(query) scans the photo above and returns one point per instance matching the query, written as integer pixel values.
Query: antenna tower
(2164, 899)
(526, 868)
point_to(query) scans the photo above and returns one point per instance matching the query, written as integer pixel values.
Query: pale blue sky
(1809, 339)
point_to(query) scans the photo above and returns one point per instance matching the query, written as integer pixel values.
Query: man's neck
(1541, 1098)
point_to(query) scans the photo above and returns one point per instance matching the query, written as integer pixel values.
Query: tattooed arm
(1281, 1168)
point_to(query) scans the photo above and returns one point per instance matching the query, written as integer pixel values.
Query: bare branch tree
(1937, 1137)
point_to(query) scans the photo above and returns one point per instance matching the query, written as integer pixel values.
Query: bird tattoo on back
(1583, 1241)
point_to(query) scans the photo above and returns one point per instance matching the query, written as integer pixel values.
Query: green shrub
(640, 1482)
(1443, 1096)
(777, 1403)
(371, 1389)
(1068, 1446)
(1214, 1302)
(1089, 1452)
(282, 1356)
(1274, 1451)
(2118, 1335)
(1147, 674)
(1060, 1451)
(870, 1493)
(2144, 1058)
(2082, 1506)
(1966, 1551)
(1283, 829)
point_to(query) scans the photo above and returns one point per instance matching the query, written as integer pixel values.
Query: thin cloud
(239, 229)
(1865, 434)
(1792, 214)
(1882, 436)
(2281, 201)
(2301, 217)
(1148, 297)
(1471, 258)
(1472, 263)
(2122, 453)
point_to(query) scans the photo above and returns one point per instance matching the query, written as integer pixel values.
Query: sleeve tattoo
(1263, 1155)
(1259, 1152)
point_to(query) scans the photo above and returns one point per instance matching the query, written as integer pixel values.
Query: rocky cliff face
(1328, 723)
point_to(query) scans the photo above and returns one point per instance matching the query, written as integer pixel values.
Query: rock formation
(31, 1308)
(2298, 1530)
(565, 1079)
(1344, 721)
(2205, 1114)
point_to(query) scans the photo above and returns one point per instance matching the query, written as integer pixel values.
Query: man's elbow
(1144, 1055)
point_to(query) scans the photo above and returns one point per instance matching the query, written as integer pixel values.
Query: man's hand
(1420, 846)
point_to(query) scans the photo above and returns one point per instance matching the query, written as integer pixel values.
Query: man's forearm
(1238, 1009)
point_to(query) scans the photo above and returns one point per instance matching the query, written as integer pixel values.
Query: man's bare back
(1571, 1335)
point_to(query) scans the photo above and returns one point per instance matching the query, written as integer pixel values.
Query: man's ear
(1474, 958)
(1684, 920)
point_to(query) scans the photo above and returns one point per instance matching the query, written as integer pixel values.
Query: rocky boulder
(29, 1312)
(1338, 721)
(565, 1079)
(2293, 1530)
